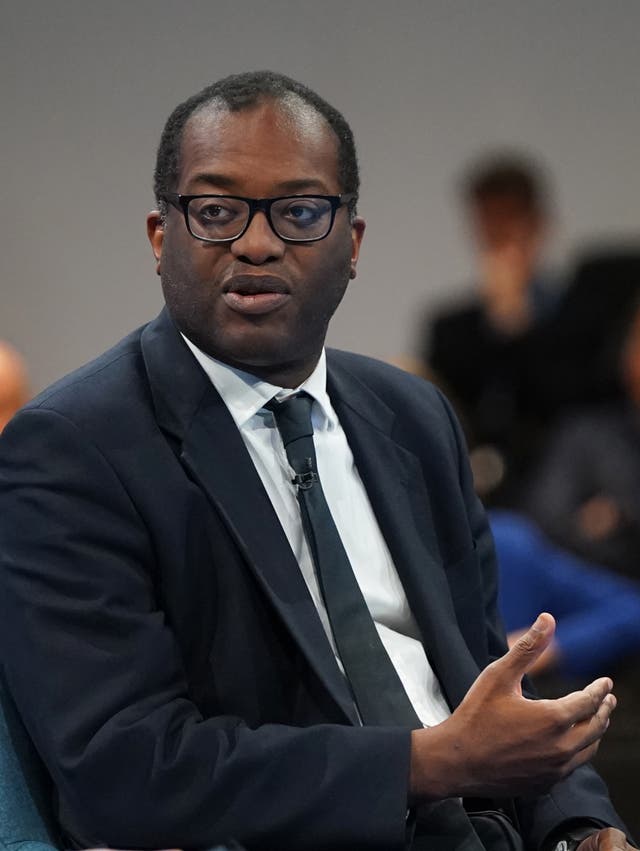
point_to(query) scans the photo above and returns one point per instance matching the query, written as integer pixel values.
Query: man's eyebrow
(286, 187)
(305, 184)
(220, 180)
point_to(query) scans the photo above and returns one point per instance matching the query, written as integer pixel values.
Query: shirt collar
(245, 394)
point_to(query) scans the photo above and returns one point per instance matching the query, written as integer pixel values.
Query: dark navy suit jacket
(158, 637)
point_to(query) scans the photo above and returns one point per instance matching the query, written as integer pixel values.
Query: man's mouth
(255, 294)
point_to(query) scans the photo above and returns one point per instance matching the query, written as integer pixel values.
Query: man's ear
(155, 232)
(358, 226)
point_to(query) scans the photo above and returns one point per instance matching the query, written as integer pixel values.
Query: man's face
(257, 303)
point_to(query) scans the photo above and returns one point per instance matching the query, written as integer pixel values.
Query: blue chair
(27, 822)
(26, 818)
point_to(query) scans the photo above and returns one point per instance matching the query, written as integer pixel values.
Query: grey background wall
(85, 87)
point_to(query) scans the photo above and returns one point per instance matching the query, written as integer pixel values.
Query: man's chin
(283, 369)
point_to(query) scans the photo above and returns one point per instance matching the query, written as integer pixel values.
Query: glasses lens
(217, 217)
(301, 218)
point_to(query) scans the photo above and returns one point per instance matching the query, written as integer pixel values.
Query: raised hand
(500, 743)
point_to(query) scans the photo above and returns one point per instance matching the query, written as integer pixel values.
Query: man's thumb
(527, 649)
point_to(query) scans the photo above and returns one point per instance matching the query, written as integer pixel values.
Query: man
(486, 352)
(169, 632)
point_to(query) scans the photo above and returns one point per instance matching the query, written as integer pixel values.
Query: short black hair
(507, 174)
(241, 91)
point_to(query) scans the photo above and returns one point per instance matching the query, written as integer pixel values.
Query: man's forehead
(289, 113)
(271, 141)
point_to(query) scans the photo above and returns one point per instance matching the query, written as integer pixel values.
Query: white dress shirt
(245, 396)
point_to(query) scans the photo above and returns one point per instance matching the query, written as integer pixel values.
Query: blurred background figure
(14, 385)
(579, 357)
(585, 492)
(485, 351)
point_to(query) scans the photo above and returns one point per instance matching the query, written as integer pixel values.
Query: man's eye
(303, 214)
(214, 212)
(210, 212)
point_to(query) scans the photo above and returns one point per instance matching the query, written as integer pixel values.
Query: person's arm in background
(597, 612)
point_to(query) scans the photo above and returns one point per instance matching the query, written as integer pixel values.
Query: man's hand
(608, 839)
(499, 743)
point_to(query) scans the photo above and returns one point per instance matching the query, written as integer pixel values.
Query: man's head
(258, 298)
(507, 200)
(240, 92)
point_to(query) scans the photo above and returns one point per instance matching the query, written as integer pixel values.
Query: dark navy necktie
(376, 686)
(377, 689)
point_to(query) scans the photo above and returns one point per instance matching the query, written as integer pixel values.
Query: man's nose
(258, 244)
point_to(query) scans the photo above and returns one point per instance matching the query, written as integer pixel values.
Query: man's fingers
(525, 651)
(582, 705)
(581, 741)
(592, 730)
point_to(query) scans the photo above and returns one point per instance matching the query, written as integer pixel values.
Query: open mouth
(255, 294)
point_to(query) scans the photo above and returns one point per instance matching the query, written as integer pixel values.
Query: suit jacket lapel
(396, 488)
(211, 448)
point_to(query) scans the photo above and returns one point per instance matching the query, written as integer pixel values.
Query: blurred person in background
(585, 492)
(485, 350)
(578, 359)
(14, 385)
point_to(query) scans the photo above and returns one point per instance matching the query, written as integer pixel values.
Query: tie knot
(293, 417)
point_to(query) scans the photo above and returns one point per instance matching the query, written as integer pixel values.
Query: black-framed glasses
(293, 218)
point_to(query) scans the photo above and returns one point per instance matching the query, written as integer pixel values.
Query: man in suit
(167, 629)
